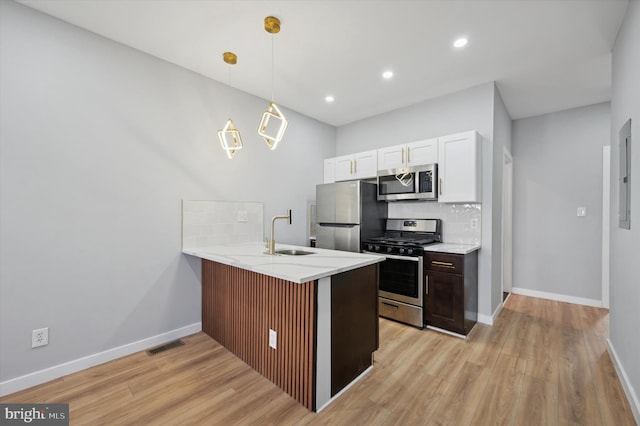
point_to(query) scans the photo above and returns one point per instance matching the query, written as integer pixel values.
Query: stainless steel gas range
(402, 273)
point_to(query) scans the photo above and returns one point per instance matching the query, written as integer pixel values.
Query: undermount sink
(292, 252)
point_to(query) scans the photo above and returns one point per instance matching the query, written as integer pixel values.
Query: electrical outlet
(582, 212)
(243, 216)
(39, 337)
(273, 338)
(474, 223)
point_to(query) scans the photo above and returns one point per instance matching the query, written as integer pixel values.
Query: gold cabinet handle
(426, 286)
(355, 166)
(408, 155)
(440, 187)
(350, 167)
(443, 264)
(402, 155)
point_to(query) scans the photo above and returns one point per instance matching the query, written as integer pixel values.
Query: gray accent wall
(99, 144)
(471, 109)
(625, 244)
(557, 167)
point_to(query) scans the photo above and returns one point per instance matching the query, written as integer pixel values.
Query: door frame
(606, 212)
(507, 223)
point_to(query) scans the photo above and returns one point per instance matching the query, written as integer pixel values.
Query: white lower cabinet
(459, 168)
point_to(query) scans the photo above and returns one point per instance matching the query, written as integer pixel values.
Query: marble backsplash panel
(461, 223)
(206, 223)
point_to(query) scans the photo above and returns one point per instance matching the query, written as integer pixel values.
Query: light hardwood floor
(542, 363)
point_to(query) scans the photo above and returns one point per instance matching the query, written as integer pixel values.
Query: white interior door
(507, 222)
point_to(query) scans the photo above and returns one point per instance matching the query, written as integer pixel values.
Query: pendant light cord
(229, 80)
(272, 68)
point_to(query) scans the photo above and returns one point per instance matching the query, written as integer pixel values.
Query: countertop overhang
(299, 269)
(452, 248)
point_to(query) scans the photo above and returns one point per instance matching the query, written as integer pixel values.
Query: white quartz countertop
(252, 257)
(452, 248)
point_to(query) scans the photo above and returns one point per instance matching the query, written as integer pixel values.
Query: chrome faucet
(272, 241)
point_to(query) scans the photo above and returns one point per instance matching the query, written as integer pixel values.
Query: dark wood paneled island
(326, 328)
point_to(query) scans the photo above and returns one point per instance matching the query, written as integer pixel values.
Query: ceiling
(544, 55)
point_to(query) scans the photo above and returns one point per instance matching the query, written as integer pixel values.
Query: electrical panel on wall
(625, 176)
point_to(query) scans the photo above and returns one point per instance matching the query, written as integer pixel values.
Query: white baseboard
(344, 389)
(51, 373)
(489, 320)
(626, 385)
(557, 297)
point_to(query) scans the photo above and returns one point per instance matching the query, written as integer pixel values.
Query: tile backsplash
(460, 222)
(206, 223)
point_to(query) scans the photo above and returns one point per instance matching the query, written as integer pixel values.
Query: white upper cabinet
(459, 168)
(329, 170)
(362, 165)
(343, 168)
(366, 164)
(422, 152)
(408, 155)
(458, 156)
(391, 157)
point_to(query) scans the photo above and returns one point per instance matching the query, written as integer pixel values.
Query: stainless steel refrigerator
(348, 213)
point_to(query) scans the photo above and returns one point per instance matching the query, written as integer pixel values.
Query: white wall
(557, 167)
(465, 110)
(99, 145)
(470, 109)
(625, 244)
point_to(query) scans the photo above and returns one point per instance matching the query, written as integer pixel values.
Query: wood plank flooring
(542, 363)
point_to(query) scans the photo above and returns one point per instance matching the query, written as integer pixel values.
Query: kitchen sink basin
(292, 252)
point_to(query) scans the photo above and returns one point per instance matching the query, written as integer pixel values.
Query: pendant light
(229, 136)
(273, 113)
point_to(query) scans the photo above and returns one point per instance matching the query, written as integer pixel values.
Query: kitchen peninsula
(308, 323)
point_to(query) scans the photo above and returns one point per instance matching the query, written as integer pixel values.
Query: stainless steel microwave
(409, 183)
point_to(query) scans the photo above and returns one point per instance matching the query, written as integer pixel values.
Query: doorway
(507, 224)
(606, 197)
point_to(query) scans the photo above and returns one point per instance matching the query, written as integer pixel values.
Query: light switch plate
(582, 211)
(273, 338)
(243, 216)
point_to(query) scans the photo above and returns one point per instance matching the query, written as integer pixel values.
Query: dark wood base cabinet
(451, 291)
(354, 324)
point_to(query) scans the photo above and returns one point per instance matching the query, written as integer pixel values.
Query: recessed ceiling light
(387, 75)
(329, 99)
(461, 42)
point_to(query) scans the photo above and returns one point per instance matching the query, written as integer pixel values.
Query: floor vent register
(165, 347)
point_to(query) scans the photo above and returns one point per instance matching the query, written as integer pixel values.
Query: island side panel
(354, 324)
(238, 309)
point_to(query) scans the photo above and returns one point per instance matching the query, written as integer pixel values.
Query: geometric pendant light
(229, 136)
(230, 139)
(272, 134)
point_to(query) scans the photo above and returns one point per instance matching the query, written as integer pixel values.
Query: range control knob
(389, 249)
(370, 247)
(376, 248)
(401, 251)
(409, 251)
